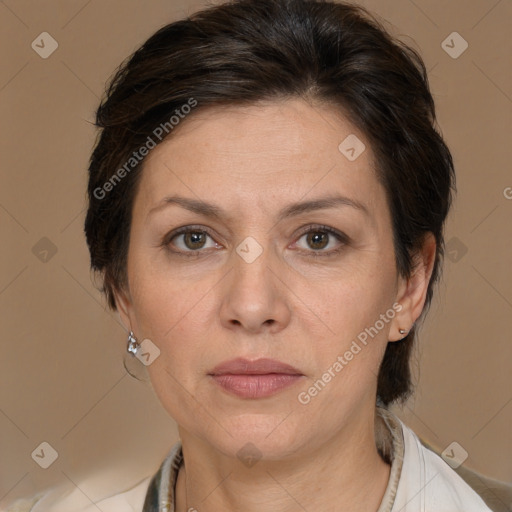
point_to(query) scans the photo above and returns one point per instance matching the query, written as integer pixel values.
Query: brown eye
(317, 239)
(321, 241)
(189, 240)
(194, 239)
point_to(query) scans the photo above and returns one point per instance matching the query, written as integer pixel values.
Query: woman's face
(289, 257)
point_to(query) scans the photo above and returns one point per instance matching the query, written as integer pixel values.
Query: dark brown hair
(246, 51)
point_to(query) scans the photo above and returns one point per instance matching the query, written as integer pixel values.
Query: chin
(263, 436)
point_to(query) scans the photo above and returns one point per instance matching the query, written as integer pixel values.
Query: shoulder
(497, 495)
(67, 499)
(427, 482)
(72, 498)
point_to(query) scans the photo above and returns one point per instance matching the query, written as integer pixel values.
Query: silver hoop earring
(133, 344)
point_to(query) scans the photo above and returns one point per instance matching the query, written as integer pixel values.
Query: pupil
(194, 240)
(317, 240)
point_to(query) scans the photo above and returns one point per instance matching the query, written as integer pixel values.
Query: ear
(412, 292)
(124, 307)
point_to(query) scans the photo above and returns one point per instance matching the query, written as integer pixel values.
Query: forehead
(261, 154)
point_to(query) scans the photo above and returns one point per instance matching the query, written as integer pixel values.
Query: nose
(255, 298)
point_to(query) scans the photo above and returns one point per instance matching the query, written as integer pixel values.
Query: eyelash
(318, 228)
(341, 237)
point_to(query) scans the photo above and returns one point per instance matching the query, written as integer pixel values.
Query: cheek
(357, 308)
(175, 318)
(174, 375)
(350, 299)
(159, 300)
(348, 360)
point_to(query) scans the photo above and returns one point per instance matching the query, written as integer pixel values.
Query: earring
(132, 364)
(402, 332)
(133, 344)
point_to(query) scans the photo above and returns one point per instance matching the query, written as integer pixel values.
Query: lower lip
(256, 386)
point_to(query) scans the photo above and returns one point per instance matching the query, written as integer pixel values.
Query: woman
(266, 207)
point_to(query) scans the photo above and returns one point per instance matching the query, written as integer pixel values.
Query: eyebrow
(210, 210)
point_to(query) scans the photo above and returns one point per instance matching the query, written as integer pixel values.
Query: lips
(263, 366)
(255, 379)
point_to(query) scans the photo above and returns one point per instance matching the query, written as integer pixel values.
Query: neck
(345, 472)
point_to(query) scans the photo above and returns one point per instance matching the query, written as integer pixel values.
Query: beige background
(61, 373)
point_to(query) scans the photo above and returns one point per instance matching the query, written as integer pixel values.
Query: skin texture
(287, 304)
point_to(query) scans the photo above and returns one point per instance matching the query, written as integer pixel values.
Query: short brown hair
(245, 51)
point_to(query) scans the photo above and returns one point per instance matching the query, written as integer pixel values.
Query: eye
(190, 239)
(319, 241)
(323, 240)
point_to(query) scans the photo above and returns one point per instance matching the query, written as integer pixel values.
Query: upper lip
(262, 366)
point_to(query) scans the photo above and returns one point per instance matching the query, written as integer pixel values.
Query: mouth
(255, 379)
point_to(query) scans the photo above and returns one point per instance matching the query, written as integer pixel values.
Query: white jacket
(420, 481)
